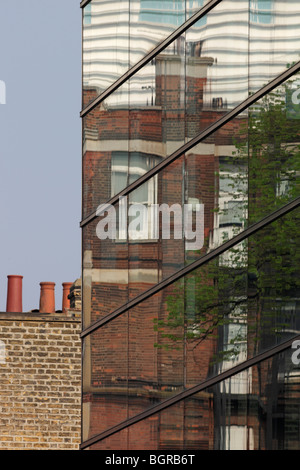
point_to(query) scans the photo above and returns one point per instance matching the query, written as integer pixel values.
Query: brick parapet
(40, 381)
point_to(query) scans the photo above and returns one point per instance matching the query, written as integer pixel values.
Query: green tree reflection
(255, 288)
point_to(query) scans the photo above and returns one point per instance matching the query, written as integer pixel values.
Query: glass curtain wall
(190, 224)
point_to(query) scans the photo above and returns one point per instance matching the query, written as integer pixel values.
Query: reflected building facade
(191, 103)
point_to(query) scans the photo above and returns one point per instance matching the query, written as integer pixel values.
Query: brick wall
(40, 381)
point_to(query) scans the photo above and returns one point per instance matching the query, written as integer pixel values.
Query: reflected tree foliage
(247, 299)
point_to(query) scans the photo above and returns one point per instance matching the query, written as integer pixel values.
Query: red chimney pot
(66, 292)
(47, 297)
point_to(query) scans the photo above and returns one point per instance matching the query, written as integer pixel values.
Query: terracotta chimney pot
(66, 292)
(47, 297)
(14, 293)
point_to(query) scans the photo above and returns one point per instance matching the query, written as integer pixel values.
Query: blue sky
(40, 145)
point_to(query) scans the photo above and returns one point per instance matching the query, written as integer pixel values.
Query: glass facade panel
(155, 230)
(238, 303)
(235, 307)
(265, 137)
(273, 149)
(105, 375)
(104, 266)
(105, 46)
(274, 39)
(107, 50)
(153, 21)
(217, 64)
(105, 151)
(152, 112)
(257, 409)
(146, 245)
(221, 67)
(157, 102)
(244, 302)
(234, 178)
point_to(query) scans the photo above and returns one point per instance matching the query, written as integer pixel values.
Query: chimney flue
(66, 292)
(47, 297)
(14, 302)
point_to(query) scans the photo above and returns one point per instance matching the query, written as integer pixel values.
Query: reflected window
(124, 171)
(146, 194)
(193, 7)
(119, 172)
(287, 314)
(261, 11)
(292, 100)
(139, 165)
(232, 214)
(127, 168)
(238, 438)
(233, 345)
(163, 11)
(233, 187)
(87, 14)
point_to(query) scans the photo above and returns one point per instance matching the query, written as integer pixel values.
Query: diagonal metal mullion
(191, 391)
(84, 3)
(200, 137)
(191, 267)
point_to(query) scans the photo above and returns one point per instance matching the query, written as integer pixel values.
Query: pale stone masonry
(40, 381)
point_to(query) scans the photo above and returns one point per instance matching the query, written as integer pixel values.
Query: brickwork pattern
(40, 382)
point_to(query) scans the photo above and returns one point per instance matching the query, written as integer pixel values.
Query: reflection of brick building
(135, 266)
(150, 130)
